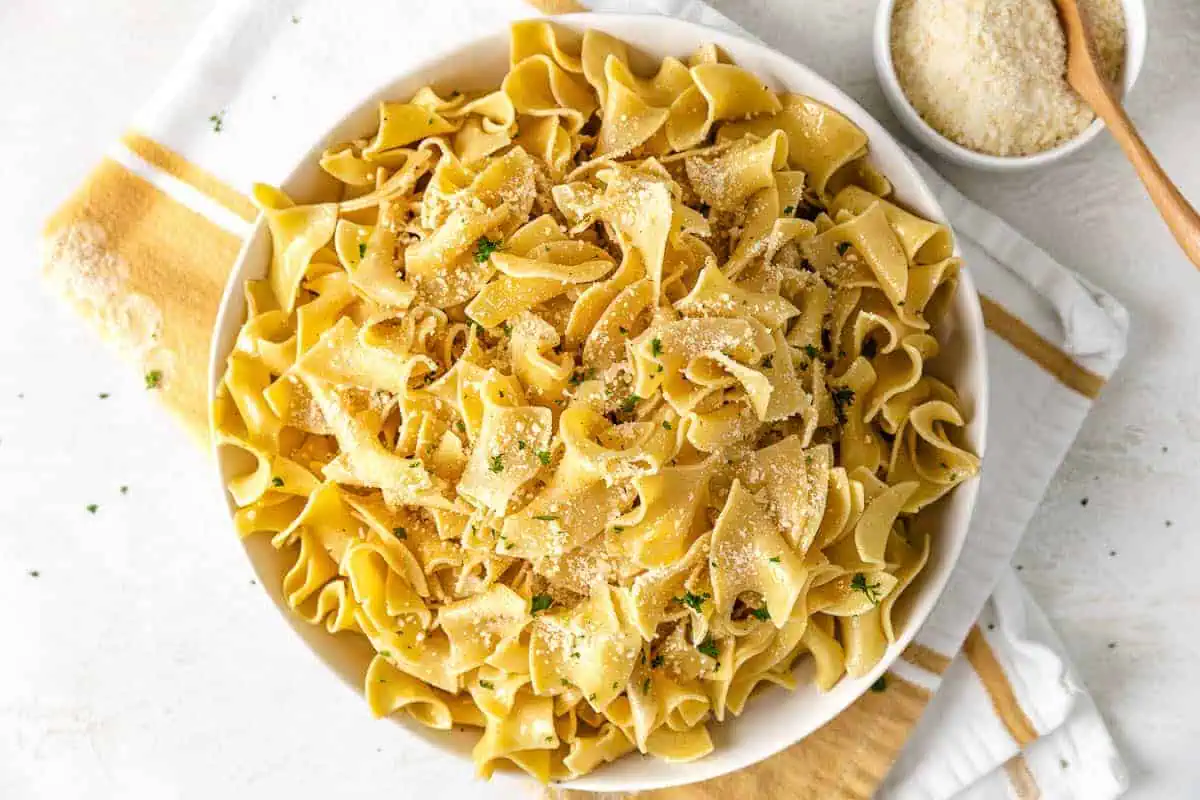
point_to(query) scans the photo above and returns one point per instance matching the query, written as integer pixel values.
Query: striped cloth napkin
(983, 705)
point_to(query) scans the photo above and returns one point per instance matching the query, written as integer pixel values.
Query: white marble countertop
(139, 661)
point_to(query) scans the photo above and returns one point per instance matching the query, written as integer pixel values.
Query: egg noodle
(596, 401)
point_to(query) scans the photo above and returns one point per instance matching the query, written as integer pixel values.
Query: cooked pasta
(597, 401)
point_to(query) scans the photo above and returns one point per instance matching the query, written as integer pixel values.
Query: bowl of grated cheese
(982, 83)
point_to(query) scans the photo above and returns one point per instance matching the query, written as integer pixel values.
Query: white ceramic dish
(1135, 56)
(779, 718)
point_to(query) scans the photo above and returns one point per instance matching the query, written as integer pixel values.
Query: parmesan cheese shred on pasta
(596, 401)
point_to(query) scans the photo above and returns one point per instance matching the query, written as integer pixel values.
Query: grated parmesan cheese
(991, 74)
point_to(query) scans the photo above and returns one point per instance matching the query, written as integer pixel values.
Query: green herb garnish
(153, 378)
(843, 248)
(630, 403)
(789, 210)
(543, 456)
(103, 395)
(540, 602)
(843, 398)
(277, 481)
(487, 684)
(692, 601)
(400, 532)
(656, 662)
(362, 249)
(646, 686)
(774, 559)
(761, 613)
(546, 517)
(666, 425)
(859, 584)
(217, 121)
(92, 508)
(708, 647)
(497, 463)
(124, 490)
(579, 376)
(811, 351)
(484, 248)
(656, 347)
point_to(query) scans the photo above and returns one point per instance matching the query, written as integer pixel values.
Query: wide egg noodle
(595, 401)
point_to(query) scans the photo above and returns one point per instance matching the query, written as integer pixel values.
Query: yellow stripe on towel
(926, 658)
(1012, 330)
(1004, 701)
(148, 273)
(179, 167)
(1020, 777)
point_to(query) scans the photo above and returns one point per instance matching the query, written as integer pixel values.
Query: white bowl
(778, 718)
(1135, 56)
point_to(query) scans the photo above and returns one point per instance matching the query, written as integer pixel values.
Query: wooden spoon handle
(1181, 218)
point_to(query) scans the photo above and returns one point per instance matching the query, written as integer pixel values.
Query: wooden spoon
(1083, 74)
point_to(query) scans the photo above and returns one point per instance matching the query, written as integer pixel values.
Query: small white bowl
(778, 718)
(1135, 56)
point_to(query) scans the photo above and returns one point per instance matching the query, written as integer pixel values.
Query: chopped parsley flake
(543, 456)
(521, 444)
(811, 351)
(507, 330)
(399, 532)
(646, 686)
(546, 517)
(487, 684)
(761, 613)
(692, 601)
(497, 463)
(153, 378)
(708, 647)
(484, 248)
(630, 403)
(774, 559)
(880, 685)
(565, 682)
(789, 210)
(843, 248)
(103, 395)
(217, 121)
(539, 602)
(859, 584)
(843, 398)
(92, 508)
(579, 376)
(666, 425)
(124, 490)
(462, 427)
(656, 347)
(656, 662)
(362, 249)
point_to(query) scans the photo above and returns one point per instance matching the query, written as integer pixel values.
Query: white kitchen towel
(262, 81)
